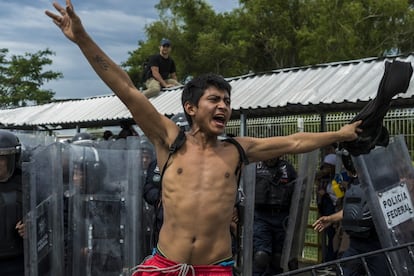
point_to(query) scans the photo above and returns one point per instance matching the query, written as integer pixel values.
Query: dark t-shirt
(166, 66)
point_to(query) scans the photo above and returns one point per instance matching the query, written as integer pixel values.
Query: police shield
(33, 140)
(298, 212)
(42, 191)
(246, 197)
(387, 177)
(105, 202)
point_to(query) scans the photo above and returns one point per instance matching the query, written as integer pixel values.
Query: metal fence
(337, 267)
(397, 121)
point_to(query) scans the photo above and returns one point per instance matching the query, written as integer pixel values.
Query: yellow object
(337, 189)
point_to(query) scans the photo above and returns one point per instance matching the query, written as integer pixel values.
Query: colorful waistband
(225, 262)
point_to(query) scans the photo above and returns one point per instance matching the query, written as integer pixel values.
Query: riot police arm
(159, 129)
(324, 221)
(152, 189)
(20, 227)
(151, 193)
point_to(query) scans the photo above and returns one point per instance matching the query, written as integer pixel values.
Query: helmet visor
(7, 164)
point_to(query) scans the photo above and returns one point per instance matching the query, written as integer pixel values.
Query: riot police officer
(152, 195)
(275, 180)
(357, 222)
(12, 230)
(96, 219)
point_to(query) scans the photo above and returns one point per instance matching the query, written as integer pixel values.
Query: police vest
(357, 218)
(11, 244)
(274, 185)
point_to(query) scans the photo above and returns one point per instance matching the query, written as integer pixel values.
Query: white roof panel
(342, 82)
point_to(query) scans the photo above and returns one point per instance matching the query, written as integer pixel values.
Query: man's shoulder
(154, 58)
(231, 140)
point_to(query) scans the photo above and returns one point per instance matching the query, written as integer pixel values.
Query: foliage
(22, 76)
(263, 35)
(347, 29)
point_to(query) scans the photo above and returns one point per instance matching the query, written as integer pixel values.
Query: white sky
(116, 25)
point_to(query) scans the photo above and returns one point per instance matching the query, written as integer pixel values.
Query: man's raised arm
(152, 123)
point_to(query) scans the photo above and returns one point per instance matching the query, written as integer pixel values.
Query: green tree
(22, 76)
(348, 29)
(271, 28)
(263, 35)
(203, 41)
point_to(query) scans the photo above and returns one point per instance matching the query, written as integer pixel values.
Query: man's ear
(190, 109)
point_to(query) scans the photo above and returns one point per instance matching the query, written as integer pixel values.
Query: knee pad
(261, 259)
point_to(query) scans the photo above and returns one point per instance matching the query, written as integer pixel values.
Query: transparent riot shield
(247, 191)
(299, 210)
(387, 177)
(146, 218)
(42, 191)
(105, 209)
(35, 139)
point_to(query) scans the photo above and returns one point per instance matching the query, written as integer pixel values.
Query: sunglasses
(166, 45)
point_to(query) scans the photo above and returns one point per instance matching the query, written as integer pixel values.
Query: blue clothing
(377, 264)
(269, 235)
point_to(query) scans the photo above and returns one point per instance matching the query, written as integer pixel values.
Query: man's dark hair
(195, 89)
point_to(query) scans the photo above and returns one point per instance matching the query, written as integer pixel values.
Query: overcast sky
(116, 25)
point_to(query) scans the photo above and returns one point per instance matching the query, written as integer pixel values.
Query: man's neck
(164, 56)
(202, 139)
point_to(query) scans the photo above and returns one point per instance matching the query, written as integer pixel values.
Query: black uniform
(274, 190)
(11, 244)
(152, 195)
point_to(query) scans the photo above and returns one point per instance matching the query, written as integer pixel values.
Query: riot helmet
(272, 162)
(180, 120)
(88, 169)
(10, 150)
(147, 153)
(82, 138)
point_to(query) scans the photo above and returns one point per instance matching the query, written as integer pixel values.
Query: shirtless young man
(199, 185)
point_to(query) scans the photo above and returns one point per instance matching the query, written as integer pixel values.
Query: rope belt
(182, 269)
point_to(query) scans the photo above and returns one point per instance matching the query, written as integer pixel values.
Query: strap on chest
(180, 140)
(175, 146)
(242, 157)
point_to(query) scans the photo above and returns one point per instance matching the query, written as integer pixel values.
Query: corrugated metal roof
(320, 88)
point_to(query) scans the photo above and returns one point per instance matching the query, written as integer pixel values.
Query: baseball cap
(330, 159)
(165, 41)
